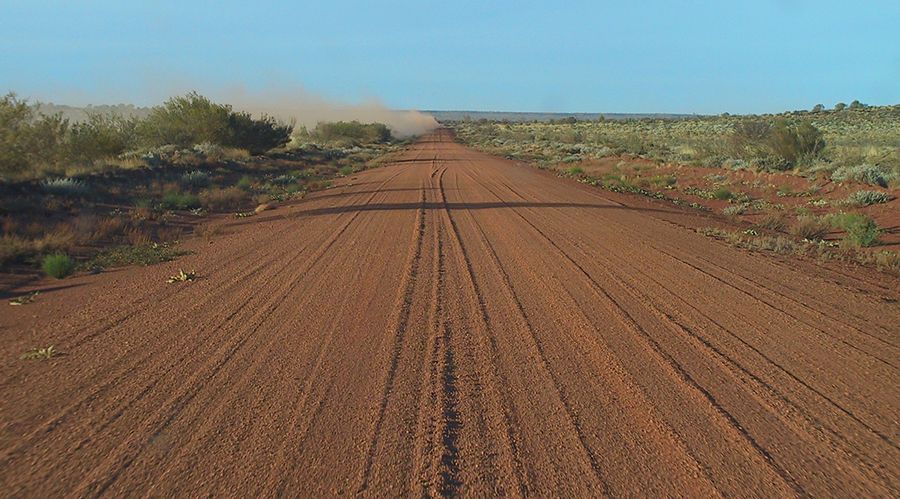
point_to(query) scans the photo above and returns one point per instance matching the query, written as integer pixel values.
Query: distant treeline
(521, 117)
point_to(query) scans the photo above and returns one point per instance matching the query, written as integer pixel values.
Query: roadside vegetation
(826, 176)
(112, 190)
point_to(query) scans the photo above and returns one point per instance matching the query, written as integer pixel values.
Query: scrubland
(114, 190)
(774, 176)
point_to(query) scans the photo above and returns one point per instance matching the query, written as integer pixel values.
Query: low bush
(864, 173)
(230, 198)
(13, 248)
(735, 209)
(662, 181)
(195, 179)
(101, 136)
(773, 221)
(177, 200)
(795, 142)
(574, 171)
(258, 135)
(779, 145)
(194, 119)
(186, 120)
(861, 230)
(809, 227)
(352, 132)
(58, 265)
(29, 141)
(722, 194)
(245, 183)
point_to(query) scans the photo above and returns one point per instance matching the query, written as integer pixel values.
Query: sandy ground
(457, 324)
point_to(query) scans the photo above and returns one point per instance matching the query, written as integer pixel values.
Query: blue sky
(622, 56)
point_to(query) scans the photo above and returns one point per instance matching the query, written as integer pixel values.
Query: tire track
(629, 321)
(504, 403)
(398, 331)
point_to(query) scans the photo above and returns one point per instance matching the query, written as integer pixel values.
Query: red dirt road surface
(454, 323)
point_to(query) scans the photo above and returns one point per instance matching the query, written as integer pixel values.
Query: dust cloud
(306, 109)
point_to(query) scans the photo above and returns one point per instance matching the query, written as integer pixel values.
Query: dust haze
(288, 103)
(307, 109)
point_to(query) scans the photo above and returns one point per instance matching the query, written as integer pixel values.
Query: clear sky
(613, 56)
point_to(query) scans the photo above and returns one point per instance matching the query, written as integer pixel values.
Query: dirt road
(457, 324)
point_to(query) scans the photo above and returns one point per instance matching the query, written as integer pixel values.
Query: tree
(840, 106)
(818, 108)
(857, 105)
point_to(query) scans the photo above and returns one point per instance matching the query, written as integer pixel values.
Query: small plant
(58, 265)
(195, 179)
(662, 181)
(867, 198)
(175, 200)
(785, 191)
(574, 171)
(287, 179)
(861, 230)
(65, 187)
(735, 209)
(722, 194)
(39, 353)
(773, 221)
(25, 299)
(182, 276)
(226, 199)
(245, 183)
(345, 171)
(809, 227)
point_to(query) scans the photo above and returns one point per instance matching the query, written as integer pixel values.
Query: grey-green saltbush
(865, 173)
(65, 187)
(867, 198)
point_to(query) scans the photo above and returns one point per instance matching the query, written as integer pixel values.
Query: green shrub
(867, 198)
(258, 135)
(58, 265)
(352, 132)
(101, 136)
(722, 194)
(194, 119)
(345, 171)
(779, 145)
(793, 143)
(245, 183)
(662, 181)
(574, 171)
(29, 141)
(177, 200)
(861, 230)
(186, 120)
